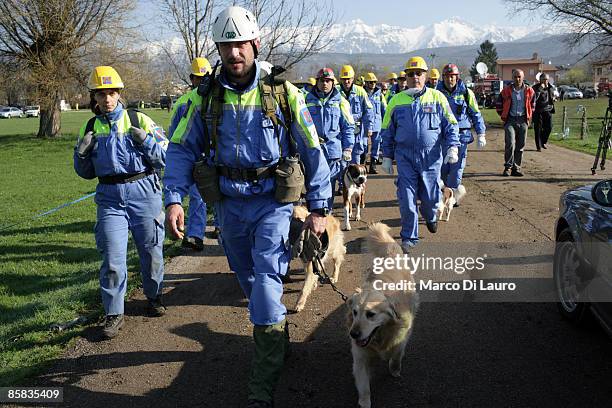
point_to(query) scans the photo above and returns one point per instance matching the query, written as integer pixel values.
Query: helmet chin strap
(255, 51)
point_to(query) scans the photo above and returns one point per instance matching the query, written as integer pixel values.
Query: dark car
(589, 93)
(583, 253)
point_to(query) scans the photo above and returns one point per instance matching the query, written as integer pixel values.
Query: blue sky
(423, 12)
(404, 13)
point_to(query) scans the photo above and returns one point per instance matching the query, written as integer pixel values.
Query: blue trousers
(196, 214)
(255, 233)
(134, 207)
(358, 147)
(376, 145)
(336, 170)
(418, 171)
(452, 174)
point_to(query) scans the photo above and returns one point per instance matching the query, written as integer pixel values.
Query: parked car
(583, 254)
(589, 93)
(555, 92)
(11, 112)
(32, 111)
(571, 93)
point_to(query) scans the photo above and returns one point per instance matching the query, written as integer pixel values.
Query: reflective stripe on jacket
(470, 113)
(333, 120)
(418, 122)
(246, 138)
(115, 152)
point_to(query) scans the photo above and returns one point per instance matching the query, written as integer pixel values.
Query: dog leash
(324, 277)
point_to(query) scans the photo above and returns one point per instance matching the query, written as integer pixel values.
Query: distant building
(529, 66)
(602, 75)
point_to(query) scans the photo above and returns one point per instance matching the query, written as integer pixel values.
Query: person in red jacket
(515, 108)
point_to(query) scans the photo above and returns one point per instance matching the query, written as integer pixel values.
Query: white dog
(380, 320)
(450, 198)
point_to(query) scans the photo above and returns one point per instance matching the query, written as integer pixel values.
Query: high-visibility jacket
(246, 139)
(379, 105)
(466, 112)
(333, 120)
(418, 122)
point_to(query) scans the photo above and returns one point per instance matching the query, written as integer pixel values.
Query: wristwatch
(323, 212)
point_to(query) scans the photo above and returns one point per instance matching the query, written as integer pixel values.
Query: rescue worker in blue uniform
(379, 105)
(418, 126)
(126, 158)
(196, 213)
(331, 114)
(361, 109)
(464, 106)
(399, 86)
(245, 151)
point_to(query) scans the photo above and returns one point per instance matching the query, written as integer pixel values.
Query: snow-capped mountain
(358, 37)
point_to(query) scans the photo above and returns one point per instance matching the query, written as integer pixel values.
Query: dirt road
(461, 354)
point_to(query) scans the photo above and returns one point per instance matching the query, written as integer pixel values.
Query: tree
(291, 30)
(587, 20)
(46, 38)
(487, 54)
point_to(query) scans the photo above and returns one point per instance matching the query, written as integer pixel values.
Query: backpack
(272, 90)
(132, 113)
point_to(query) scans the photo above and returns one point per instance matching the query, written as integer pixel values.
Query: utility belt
(288, 176)
(124, 178)
(260, 173)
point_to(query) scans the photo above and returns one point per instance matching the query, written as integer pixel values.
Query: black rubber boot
(432, 227)
(271, 349)
(372, 169)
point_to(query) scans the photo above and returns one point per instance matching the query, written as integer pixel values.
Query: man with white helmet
(331, 114)
(196, 217)
(463, 104)
(418, 130)
(240, 141)
(379, 104)
(362, 112)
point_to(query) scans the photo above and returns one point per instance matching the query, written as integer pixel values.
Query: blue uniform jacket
(333, 120)
(418, 122)
(115, 152)
(466, 112)
(246, 139)
(379, 105)
(361, 108)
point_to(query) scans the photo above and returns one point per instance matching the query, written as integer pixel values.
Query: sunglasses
(414, 73)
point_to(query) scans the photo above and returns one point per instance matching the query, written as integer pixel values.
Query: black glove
(86, 144)
(138, 135)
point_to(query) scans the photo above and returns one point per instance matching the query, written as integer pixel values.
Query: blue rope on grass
(51, 211)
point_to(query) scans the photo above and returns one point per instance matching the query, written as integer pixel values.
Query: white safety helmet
(235, 24)
(266, 66)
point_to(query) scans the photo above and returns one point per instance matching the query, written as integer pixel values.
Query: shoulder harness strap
(273, 91)
(90, 125)
(133, 115)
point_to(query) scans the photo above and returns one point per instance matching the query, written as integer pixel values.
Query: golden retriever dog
(380, 318)
(335, 251)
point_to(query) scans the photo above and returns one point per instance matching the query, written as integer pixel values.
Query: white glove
(482, 141)
(86, 144)
(452, 155)
(347, 155)
(387, 165)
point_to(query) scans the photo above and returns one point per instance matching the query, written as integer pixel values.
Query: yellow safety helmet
(392, 75)
(312, 81)
(370, 77)
(200, 66)
(416, 63)
(104, 77)
(402, 74)
(347, 72)
(435, 74)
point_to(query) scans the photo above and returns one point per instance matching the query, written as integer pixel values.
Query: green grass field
(49, 268)
(596, 109)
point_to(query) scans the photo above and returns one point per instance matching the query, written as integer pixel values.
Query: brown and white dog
(355, 177)
(380, 317)
(335, 251)
(450, 197)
